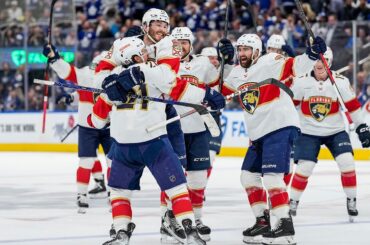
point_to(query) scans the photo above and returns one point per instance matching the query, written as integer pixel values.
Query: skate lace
(176, 225)
(352, 205)
(277, 226)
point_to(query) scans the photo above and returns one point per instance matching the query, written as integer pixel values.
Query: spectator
(12, 102)
(191, 15)
(6, 74)
(293, 32)
(15, 13)
(36, 37)
(93, 10)
(362, 11)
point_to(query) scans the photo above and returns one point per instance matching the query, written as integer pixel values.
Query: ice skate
(253, 235)
(351, 209)
(99, 191)
(122, 236)
(171, 231)
(203, 230)
(82, 203)
(293, 205)
(193, 237)
(282, 234)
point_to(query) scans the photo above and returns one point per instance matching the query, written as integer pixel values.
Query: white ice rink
(37, 205)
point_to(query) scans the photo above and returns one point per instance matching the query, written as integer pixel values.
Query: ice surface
(37, 205)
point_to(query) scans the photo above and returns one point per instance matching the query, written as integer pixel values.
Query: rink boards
(22, 132)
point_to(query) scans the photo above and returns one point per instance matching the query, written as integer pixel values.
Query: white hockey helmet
(250, 40)
(275, 41)
(328, 55)
(183, 33)
(125, 48)
(209, 51)
(155, 14)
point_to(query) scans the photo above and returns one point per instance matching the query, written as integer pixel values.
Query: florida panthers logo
(249, 99)
(191, 79)
(319, 107)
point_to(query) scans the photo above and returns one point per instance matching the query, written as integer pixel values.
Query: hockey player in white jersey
(323, 124)
(212, 55)
(273, 124)
(88, 137)
(199, 71)
(135, 148)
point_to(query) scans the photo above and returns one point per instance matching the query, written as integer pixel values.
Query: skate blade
(173, 235)
(165, 239)
(101, 195)
(256, 240)
(351, 219)
(81, 210)
(285, 240)
(206, 238)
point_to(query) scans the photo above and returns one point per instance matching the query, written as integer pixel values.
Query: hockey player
(272, 123)
(277, 44)
(212, 55)
(135, 148)
(88, 137)
(322, 124)
(99, 190)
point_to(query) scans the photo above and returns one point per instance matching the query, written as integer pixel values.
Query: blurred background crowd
(83, 28)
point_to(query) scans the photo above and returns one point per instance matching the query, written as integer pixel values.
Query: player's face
(320, 71)
(245, 56)
(214, 61)
(275, 50)
(158, 30)
(186, 47)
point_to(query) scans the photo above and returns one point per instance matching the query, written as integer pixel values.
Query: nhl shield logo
(319, 107)
(249, 99)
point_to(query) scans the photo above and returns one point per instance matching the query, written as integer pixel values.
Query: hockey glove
(288, 50)
(130, 78)
(225, 49)
(318, 47)
(51, 52)
(214, 99)
(363, 132)
(65, 98)
(133, 31)
(113, 89)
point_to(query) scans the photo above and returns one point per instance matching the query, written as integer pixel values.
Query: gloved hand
(214, 99)
(130, 77)
(65, 98)
(363, 132)
(318, 46)
(113, 89)
(51, 52)
(133, 31)
(288, 50)
(226, 49)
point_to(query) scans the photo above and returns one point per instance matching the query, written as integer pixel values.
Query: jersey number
(129, 105)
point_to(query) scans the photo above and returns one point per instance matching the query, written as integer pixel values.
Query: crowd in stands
(91, 26)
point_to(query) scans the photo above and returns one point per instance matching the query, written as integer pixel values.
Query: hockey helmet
(250, 40)
(154, 14)
(275, 41)
(125, 48)
(183, 33)
(209, 51)
(328, 55)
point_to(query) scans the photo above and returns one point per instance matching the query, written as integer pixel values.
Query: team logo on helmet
(319, 107)
(249, 99)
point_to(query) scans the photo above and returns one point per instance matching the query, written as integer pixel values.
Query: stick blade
(44, 82)
(211, 124)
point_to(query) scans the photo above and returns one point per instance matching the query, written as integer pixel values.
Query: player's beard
(185, 53)
(245, 62)
(157, 35)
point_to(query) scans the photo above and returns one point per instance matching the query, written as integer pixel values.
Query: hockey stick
(201, 109)
(70, 131)
(327, 69)
(221, 82)
(46, 72)
(272, 81)
(346, 68)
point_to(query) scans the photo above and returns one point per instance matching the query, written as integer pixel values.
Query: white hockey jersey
(199, 72)
(319, 109)
(81, 76)
(267, 108)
